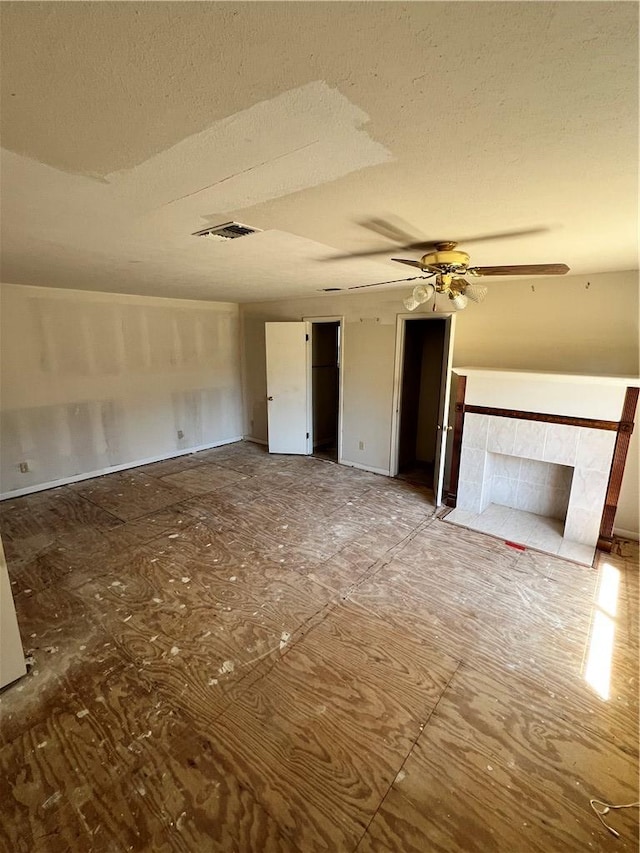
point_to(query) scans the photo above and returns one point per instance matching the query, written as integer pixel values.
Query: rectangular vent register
(227, 231)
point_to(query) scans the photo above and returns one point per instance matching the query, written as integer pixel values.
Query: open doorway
(326, 343)
(423, 386)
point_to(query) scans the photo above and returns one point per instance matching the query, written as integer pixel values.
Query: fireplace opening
(530, 485)
(525, 501)
(549, 498)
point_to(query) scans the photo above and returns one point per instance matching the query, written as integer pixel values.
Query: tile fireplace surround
(534, 456)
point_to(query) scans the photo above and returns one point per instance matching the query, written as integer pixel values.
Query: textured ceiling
(128, 126)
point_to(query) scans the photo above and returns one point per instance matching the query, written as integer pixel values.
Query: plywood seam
(421, 730)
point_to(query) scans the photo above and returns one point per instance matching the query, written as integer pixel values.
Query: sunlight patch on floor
(597, 670)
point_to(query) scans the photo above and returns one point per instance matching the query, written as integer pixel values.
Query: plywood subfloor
(238, 652)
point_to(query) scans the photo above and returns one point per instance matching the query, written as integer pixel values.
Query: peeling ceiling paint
(127, 127)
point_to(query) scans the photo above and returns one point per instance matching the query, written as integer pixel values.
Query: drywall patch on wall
(307, 136)
(96, 381)
(202, 412)
(55, 440)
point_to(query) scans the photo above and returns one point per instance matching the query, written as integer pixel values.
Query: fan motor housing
(451, 259)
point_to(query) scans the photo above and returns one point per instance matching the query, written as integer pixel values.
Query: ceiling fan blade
(409, 247)
(401, 233)
(521, 269)
(522, 232)
(396, 230)
(408, 262)
(393, 281)
(411, 243)
(347, 255)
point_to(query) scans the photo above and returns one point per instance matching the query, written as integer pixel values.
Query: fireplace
(539, 476)
(531, 485)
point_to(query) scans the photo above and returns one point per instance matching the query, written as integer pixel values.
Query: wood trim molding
(624, 429)
(452, 494)
(591, 423)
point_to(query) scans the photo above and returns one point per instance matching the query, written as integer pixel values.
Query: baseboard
(621, 533)
(255, 440)
(76, 478)
(383, 471)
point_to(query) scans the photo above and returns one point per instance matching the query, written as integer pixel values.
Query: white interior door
(288, 398)
(443, 413)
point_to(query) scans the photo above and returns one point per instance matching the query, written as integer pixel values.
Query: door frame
(337, 318)
(401, 323)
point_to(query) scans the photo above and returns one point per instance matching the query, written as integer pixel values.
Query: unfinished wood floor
(238, 652)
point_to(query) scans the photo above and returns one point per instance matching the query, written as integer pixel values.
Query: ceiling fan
(447, 265)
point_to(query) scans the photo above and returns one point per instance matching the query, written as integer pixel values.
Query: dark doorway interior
(420, 400)
(325, 353)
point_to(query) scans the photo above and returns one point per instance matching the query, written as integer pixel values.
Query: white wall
(572, 324)
(93, 381)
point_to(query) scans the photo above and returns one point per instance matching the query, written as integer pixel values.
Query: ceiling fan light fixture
(459, 300)
(421, 293)
(446, 264)
(411, 303)
(476, 292)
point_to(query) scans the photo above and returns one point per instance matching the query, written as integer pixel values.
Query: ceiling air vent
(228, 231)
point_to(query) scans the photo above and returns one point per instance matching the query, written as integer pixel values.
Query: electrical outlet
(24, 467)
(180, 434)
(361, 445)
